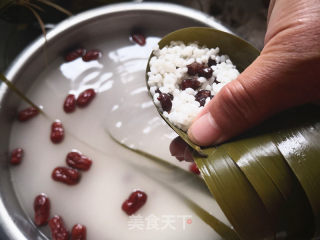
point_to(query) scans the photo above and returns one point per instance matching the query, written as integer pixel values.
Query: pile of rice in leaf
(183, 78)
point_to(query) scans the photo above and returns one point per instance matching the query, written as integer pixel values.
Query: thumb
(270, 84)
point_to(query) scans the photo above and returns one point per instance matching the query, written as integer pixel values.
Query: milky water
(122, 108)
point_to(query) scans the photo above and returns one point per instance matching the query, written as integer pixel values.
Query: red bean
(91, 55)
(139, 39)
(73, 55)
(206, 72)
(135, 201)
(216, 81)
(16, 156)
(28, 113)
(86, 97)
(57, 132)
(202, 95)
(69, 104)
(165, 101)
(211, 62)
(78, 160)
(158, 91)
(193, 168)
(190, 83)
(79, 232)
(194, 68)
(58, 230)
(66, 175)
(41, 206)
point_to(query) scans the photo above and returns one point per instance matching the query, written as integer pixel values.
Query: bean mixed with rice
(183, 78)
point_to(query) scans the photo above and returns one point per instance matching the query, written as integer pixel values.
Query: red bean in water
(66, 175)
(194, 68)
(202, 95)
(78, 160)
(73, 55)
(190, 83)
(139, 39)
(69, 104)
(57, 132)
(135, 201)
(165, 101)
(206, 72)
(27, 114)
(91, 55)
(41, 206)
(193, 168)
(86, 97)
(58, 230)
(16, 156)
(211, 62)
(79, 232)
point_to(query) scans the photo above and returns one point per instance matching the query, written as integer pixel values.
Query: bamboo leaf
(32, 5)
(37, 16)
(266, 169)
(266, 181)
(12, 87)
(222, 229)
(177, 170)
(240, 52)
(300, 146)
(282, 161)
(57, 7)
(241, 153)
(235, 195)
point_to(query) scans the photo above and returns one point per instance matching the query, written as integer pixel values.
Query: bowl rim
(86, 16)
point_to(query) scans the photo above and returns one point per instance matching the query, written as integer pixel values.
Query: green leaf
(266, 181)
(235, 195)
(222, 229)
(240, 52)
(163, 163)
(299, 143)
(265, 168)
(249, 156)
(12, 87)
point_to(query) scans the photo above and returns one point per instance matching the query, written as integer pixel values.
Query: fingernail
(205, 131)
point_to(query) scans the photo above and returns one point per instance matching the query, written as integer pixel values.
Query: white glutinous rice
(183, 78)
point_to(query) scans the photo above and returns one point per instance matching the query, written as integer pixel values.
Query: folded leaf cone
(267, 181)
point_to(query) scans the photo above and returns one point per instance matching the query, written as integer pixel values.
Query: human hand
(286, 74)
